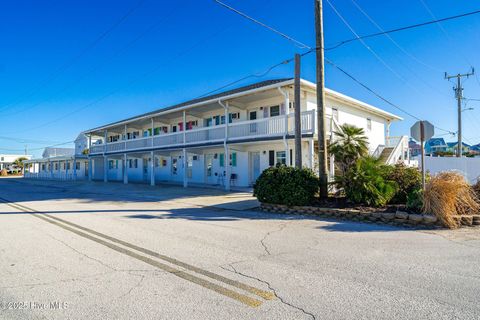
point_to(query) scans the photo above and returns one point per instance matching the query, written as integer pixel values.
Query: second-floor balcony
(267, 128)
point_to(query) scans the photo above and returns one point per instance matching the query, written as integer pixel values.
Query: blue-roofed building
(452, 147)
(435, 145)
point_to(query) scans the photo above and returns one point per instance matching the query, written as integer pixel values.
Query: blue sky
(56, 81)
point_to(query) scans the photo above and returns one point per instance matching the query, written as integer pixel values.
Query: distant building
(7, 160)
(435, 145)
(415, 148)
(453, 147)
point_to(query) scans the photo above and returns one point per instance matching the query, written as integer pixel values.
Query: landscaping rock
(466, 220)
(388, 216)
(429, 219)
(476, 220)
(401, 215)
(416, 218)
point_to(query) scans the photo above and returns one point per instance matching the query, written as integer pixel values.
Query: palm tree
(349, 145)
(18, 163)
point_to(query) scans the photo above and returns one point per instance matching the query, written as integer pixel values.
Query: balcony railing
(261, 128)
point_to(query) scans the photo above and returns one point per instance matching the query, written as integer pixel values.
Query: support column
(74, 169)
(332, 166)
(125, 169)
(286, 102)
(66, 169)
(185, 164)
(105, 168)
(152, 168)
(90, 169)
(227, 167)
(311, 150)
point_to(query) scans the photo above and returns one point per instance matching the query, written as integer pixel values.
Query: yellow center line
(207, 284)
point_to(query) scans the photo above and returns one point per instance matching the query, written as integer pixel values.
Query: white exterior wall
(354, 116)
(469, 167)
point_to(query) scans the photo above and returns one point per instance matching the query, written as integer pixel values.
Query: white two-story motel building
(226, 139)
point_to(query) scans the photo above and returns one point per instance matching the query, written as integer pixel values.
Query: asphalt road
(109, 251)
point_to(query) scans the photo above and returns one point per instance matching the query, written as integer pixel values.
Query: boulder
(429, 219)
(401, 215)
(388, 216)
(417, 218)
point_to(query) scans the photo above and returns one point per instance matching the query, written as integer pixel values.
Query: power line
(378, 95)
(36, 149)
(78, 56)
(366, 46)
(256, 75)
(341, 43)
(22, 140)
(101, 65)
(395, 42)
(445, 33)
(296, 42)
(130, 83)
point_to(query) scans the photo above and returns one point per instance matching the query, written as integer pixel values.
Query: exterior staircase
(385, 154)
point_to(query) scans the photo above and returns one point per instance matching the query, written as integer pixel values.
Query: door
(145, 169)
(254, 166)
(209, 176)
(252, 115)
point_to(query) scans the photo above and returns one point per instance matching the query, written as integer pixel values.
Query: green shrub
(365, 183)
(286, 185)
(415, 200)
(408, 180)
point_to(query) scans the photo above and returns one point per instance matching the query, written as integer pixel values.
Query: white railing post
(151, 137)
(125, 136)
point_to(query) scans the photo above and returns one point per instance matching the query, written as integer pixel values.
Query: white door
(254, 166)
(209, 175)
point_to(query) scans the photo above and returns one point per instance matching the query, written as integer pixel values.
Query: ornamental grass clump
(448, 194)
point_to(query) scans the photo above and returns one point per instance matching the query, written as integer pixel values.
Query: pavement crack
(81, 253)
(136, 285)
(263, 243)
(281, 299)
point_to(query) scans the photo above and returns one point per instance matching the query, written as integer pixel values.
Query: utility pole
(459, 95)
(298, 125)
(322, 142)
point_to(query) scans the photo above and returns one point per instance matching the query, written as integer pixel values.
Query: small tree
(349, 145)
(367, 183)
(18, 163)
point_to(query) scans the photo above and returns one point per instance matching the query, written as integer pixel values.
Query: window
(43, 167)
(157, 162)
(369, 124)
(274, 111)
(281, 157)
(233, 159)
(174, 128)
(208, 122)
(77, 165)
(135, 163)
(271, 158)
(68, 165)
(56, 166)
(222, 160)
(174, 166)
(335, 114)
